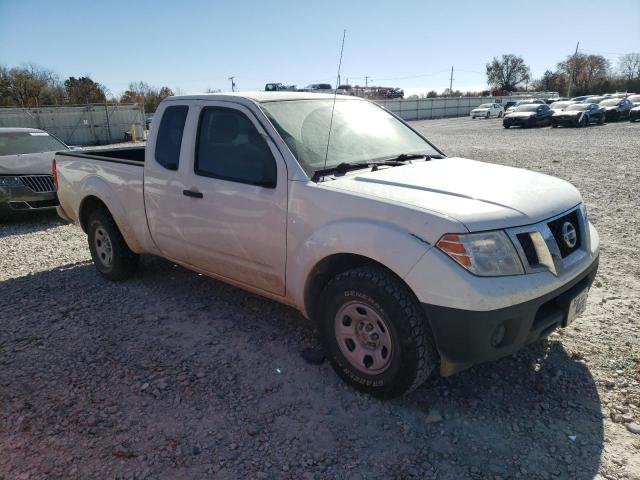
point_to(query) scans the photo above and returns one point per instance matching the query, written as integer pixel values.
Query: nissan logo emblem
(569, 235)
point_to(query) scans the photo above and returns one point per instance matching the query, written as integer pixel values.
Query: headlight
(10, 182)
(488, 254)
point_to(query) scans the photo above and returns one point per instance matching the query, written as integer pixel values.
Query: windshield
(485, 105)
(593, 99)
(610, 103)
(634, 98)
(15, 143)
(578, 106)
(528, 108)
(361, 132)
(560, 105)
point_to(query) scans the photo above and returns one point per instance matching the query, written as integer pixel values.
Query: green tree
(84, 90)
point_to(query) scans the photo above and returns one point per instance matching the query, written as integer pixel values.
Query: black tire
(500, 114)
(554, 125)
(122, 262)
(487, 116)
(601, 120)
(379, 295)
(506, 126)
(583, 122)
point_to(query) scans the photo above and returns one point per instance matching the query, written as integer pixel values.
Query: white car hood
(482, 196)
(27, 164)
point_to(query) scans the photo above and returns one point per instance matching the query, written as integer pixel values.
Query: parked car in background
(578, 115)
(594, 99)
(487, 110)
(319, 87)
(616, 108)
(404, 259)
(635, 99)
(528, 115)
(279, 87)
(634, 113)
(25, 169)
(561, 105)
(508, 105)
(525, 102)
(580, 99)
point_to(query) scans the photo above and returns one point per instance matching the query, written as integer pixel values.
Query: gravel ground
(174, 375)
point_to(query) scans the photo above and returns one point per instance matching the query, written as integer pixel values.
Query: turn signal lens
(54, 175)
(485, 254)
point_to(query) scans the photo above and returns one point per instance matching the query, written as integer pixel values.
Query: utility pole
(366, 82)
(573, 67)
(451, 82)
(233, 84)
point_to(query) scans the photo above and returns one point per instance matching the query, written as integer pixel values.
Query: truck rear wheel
(110, 253)
(375, 332)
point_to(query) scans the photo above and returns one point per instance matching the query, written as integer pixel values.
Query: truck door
(235, 200)
(163, 179)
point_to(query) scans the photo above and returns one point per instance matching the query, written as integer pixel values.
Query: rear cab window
(169, 137)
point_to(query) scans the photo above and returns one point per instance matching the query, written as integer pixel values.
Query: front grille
(556, 229)
(527, 247)
(38, 183)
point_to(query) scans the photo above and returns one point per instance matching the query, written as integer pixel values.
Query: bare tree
(585, 72)
(148, 96)
(508, 72)
(629, 65)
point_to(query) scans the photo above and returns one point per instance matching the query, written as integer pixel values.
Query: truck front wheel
(375, 332)
(110, 253)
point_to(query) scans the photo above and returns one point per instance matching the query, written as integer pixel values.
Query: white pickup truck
(406, 259)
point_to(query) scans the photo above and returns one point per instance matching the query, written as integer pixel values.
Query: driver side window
(230, 148)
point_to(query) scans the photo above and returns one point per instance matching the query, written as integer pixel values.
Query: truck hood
(480, 195)
(27, 164)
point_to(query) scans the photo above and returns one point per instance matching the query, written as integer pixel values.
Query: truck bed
(129, 155)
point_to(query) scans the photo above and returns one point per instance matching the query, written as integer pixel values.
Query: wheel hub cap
(103, 246)
(363, 337)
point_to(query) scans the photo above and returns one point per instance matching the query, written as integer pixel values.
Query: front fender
(385, 243)
(94, 186)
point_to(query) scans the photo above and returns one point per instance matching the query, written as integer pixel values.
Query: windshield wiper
(391, 161)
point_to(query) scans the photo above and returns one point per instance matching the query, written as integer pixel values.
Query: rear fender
(94, 186)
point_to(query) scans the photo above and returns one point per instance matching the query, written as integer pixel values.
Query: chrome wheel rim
(363, 337)
(102, 244)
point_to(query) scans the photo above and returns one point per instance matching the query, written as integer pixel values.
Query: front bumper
(565, 121)
(611, 115)
(519, 122)
(16, 199)
(465, 337)
(634, 115)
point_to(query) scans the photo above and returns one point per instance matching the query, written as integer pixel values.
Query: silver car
(25, 169)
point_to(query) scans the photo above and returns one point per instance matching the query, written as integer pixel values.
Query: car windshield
(361, 132)
(15, 143)
(593, 99)
(485, 105)
(528, 107)
(634, 98)
(558, 105)
(578, 106)
(610, 103)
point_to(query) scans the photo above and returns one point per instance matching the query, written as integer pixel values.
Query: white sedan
(487, 110)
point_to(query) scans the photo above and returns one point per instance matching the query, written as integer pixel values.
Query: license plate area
(576, 307)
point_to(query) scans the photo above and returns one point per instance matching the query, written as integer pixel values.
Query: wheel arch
(332, 265)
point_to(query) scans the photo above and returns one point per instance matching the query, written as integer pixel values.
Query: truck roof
(259, 96)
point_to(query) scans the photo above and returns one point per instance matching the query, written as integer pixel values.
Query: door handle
(192, 194)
